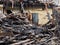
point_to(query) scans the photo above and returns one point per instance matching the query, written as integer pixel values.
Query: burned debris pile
(17, 30)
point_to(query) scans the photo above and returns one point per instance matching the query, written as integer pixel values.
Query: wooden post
(12, 1)
(46, 7)
(48, 15)
(12, 4)
(21, 3)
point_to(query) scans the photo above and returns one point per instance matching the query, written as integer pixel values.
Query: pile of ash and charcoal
(17, 30)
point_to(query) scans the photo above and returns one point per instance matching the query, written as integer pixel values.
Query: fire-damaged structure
(28, 3)
(56, 15)
(16, 29)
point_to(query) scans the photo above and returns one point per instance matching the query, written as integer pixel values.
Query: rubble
(16, 30)
(1, 15)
